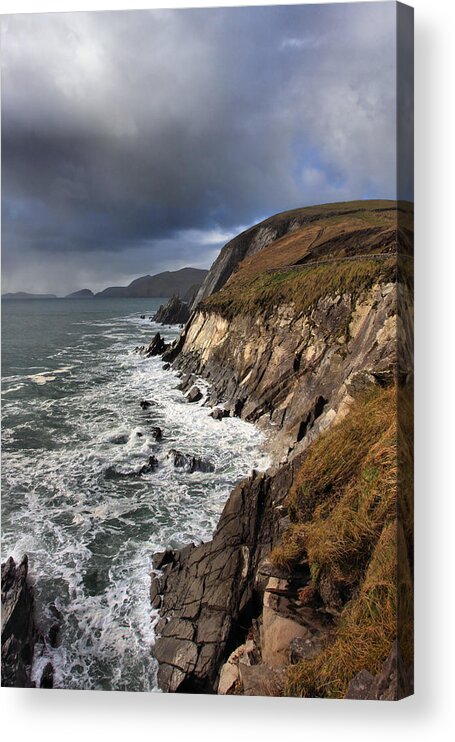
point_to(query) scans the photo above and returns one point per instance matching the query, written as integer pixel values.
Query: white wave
(12, 389)
(90, 538)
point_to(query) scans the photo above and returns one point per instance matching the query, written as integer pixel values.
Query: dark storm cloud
(139, 141)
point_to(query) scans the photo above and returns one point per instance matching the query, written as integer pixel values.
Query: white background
(70, 715)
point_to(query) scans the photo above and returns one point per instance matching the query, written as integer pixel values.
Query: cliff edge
(303, 326)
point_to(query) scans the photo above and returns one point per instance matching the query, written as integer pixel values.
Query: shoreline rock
(19, 632)
(210, 592)
(175, 312)
(189, 462)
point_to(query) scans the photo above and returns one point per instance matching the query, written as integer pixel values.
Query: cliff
(304, 326)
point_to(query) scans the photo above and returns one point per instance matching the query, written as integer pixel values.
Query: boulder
(218, 413)
(189, 463)
(360, 686)
(229, 678)
(304, 648)
(166, 366)
(230, 673)
(186, 382)
(194, 395)
(157, 433)
(161, 558)
(262, 680)
(278, 630)
(120, 440)
(150, 466)
(146, 403)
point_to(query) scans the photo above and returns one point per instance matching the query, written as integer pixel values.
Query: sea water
(73, 438)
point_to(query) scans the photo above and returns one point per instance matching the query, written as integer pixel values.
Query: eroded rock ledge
(231, 621)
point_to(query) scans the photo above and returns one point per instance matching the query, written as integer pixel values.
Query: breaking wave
(90, 536)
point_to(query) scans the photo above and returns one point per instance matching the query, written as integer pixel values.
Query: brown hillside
(329, 252)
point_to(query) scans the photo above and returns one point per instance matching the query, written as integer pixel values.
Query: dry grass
(344, 510)
(301, 288)
(366, 631)
(265, 279)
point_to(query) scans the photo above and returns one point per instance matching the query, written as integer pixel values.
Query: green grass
(300, 288)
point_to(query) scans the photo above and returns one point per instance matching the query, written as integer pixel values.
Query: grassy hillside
(336, 250)
(344, 526)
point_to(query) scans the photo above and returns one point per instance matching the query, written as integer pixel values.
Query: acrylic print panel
(207, 369)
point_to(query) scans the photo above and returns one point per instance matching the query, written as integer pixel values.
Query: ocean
(74, 438)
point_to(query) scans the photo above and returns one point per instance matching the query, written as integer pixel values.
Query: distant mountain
(24, 295)
(81, 294)
(169, 283)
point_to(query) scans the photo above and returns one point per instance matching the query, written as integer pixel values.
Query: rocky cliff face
(19, 633)
(305, 325)
(207, 594)
(23, 641)
(295, 374)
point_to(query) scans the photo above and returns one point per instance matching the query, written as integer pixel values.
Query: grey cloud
(123, 133)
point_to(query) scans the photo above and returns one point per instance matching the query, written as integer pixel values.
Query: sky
(140, 141)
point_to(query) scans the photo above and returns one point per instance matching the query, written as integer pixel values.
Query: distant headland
(183, 283)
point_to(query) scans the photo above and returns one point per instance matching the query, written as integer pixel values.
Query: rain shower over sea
(74, 439)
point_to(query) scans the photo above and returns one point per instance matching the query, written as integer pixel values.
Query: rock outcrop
(19, 633)
(390, 684)
(209, 592)
(175, 312)
(189, 463)
(156, 348)
(194, 395)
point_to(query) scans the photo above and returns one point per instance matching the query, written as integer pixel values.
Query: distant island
(183, 283)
